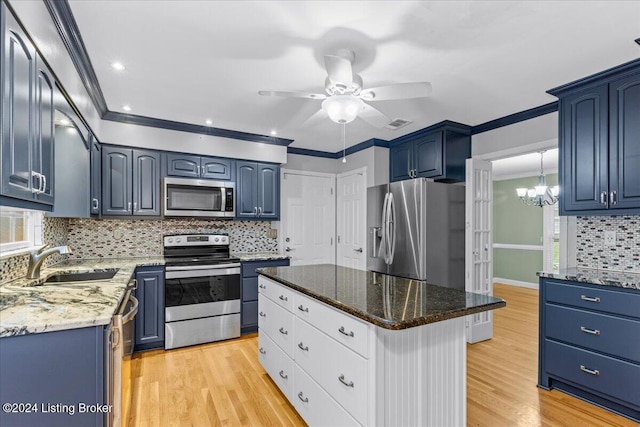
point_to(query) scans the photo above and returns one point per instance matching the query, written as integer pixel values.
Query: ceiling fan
(345, 97)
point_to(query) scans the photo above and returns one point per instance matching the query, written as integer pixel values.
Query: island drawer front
(278, 365)
(277, 323)
(340, 371)
(613, 377)
(601, 332)
(343, 328)
(610, 301)
(279, 294)
(315, 406)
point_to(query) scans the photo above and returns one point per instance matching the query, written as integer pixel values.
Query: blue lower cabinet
(49, 379)
(588, 345)
(150, 318)
(250, 291)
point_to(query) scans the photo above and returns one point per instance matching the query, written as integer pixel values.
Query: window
(551, 237)
(19, 229)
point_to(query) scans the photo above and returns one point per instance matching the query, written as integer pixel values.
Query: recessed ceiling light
(208, 122)
(274, 133)
(126, 108)
(118, 66)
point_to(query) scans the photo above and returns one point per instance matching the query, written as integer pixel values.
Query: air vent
(397, 124)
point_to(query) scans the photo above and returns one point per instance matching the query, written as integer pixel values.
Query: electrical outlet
(609, 238)
(272, 233)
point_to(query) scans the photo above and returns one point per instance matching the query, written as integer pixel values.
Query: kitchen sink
(85, 276)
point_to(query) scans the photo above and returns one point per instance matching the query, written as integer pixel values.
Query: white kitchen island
(349, 347)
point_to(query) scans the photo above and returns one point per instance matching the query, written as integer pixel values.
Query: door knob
(359, 250)
(288, 249)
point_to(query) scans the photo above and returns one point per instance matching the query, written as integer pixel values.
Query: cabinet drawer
(610, 301)
(249, 267)
(596, 331)
(340, 371)
(343, 328)
(277, 364)
(277, 323)
(277, 293)
(315, 406)
(613, 377)
(250, 289)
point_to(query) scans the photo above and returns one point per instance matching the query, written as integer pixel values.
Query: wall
(592, 252)
(311, 164)
(517, 224)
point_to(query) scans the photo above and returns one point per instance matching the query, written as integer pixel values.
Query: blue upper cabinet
(189, 166)
(130, 181)
(27, 118)
(257, 191)
(439, 152)
(600, 143)
(96, 176)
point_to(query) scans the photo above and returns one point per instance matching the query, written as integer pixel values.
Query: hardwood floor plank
(223, 384)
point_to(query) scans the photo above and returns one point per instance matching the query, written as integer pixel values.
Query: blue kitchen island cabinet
(249, 311)
(258, 191)
(589, 345)
(150, 318)
(599, 142)
(48, 379)
(439, 152)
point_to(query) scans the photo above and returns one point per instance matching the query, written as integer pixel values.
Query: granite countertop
(28, 306)
(619, 279)
(259, 256)
(386, 301)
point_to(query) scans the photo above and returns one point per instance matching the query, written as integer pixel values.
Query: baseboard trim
(519, 283)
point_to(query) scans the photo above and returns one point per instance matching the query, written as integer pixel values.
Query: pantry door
(351, 224)
(308, 217)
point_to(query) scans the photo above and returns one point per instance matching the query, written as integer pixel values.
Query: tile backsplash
(591, 250)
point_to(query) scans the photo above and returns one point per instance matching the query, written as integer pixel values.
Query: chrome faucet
(37, 257)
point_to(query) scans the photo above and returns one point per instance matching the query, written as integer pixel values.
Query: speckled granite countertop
(619, 279)
(28, 306)
(386, 301)
(258, 256)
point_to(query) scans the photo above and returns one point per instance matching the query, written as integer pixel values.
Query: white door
(478, 244)
(352, 219)
(308, 217)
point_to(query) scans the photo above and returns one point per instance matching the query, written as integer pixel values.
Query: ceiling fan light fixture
(342, 108)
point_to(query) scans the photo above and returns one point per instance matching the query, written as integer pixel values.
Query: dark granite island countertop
(386, 301)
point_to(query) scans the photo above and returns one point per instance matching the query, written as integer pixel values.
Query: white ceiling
(525, 165)
(190, 61)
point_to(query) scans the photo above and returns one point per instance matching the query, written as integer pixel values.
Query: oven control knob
(178, 240)
(217, 239)
(170, 240)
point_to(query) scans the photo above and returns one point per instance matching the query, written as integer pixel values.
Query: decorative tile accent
(591, 251)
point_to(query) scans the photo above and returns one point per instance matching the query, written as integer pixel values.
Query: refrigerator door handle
(392, 228)
(382, 253)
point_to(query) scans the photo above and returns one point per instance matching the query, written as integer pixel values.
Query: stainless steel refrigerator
(416, 229)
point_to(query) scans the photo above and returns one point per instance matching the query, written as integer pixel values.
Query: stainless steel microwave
(198, 197)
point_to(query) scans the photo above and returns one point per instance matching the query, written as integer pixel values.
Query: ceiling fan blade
(291, 94)
(396, 91)
(339, 70)
(318, 117)
(374, 117)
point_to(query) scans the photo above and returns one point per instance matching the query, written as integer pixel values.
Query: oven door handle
(202, 267)
(134, 310)
(183, 274)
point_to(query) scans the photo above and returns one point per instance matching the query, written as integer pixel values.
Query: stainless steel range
(202, 290)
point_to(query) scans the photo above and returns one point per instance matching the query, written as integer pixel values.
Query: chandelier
(541, 194)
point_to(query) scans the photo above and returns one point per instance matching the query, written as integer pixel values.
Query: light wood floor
(223, 384)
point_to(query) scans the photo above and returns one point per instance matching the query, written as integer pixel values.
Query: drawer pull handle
(283, 298)
(341, 379)
(586, 298)
(262, 314)
(301, 397)
(303, 347)
(283, 375)
(305, 309)
(262, 286)
(589, 371)
(263, 351)
(283, 332)
(590, 331)
(343, 332)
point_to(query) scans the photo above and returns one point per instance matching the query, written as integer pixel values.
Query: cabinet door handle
(342, 380)
(590, 299)
(129, 207)
(589, 371)
(283, 298)
(44, 184)
(303, 347)
(135, 206)
(283, 375)
(301, 397)
(259, 210)
(38, 189)
(590, 331)
(262, 314)
(603, 198)
(94, 203)
(344, 332)
(613, 198)
(255, 211)
(302, 308)
(262, 286)
(283, 332)
(263, 351)
(202, 172)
